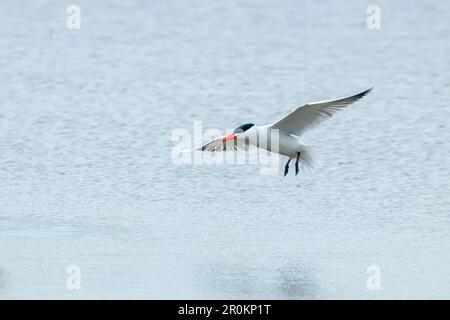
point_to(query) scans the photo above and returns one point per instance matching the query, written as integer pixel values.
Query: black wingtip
(364, 93)
(368, 91)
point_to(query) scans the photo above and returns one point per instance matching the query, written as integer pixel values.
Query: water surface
(87, 179)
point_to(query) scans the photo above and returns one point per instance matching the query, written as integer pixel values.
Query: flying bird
(288, 129)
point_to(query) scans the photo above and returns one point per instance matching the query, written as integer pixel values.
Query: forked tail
(307, 158)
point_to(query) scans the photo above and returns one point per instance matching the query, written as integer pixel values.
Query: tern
(288, 129)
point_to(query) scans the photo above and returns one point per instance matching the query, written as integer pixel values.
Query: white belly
(279, 143)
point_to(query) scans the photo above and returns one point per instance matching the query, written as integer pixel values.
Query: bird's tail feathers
(308, 159)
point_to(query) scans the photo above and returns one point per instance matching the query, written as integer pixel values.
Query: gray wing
(310, 115)
(217, 144)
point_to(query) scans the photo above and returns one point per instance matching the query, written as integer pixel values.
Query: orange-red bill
(229, 137)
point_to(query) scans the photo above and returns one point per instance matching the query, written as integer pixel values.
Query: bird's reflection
(288, 280)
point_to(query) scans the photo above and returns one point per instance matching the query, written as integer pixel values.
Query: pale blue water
(86, 176)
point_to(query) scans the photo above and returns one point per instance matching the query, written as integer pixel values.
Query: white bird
(289, 129)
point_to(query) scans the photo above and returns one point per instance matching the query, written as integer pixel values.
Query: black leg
(296, 163)
(286, 167)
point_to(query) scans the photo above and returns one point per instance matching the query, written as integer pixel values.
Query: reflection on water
(252, 281)
(297, 281)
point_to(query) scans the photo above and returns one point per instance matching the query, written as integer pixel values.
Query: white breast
(274, 141)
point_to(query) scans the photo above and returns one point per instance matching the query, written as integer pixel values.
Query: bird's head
(238, 131)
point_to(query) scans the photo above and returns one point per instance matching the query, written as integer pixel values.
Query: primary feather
(308, 116)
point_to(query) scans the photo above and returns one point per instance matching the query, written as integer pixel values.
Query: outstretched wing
(310, 115)
(218, 144)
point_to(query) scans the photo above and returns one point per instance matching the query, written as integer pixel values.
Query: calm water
(87, 179)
